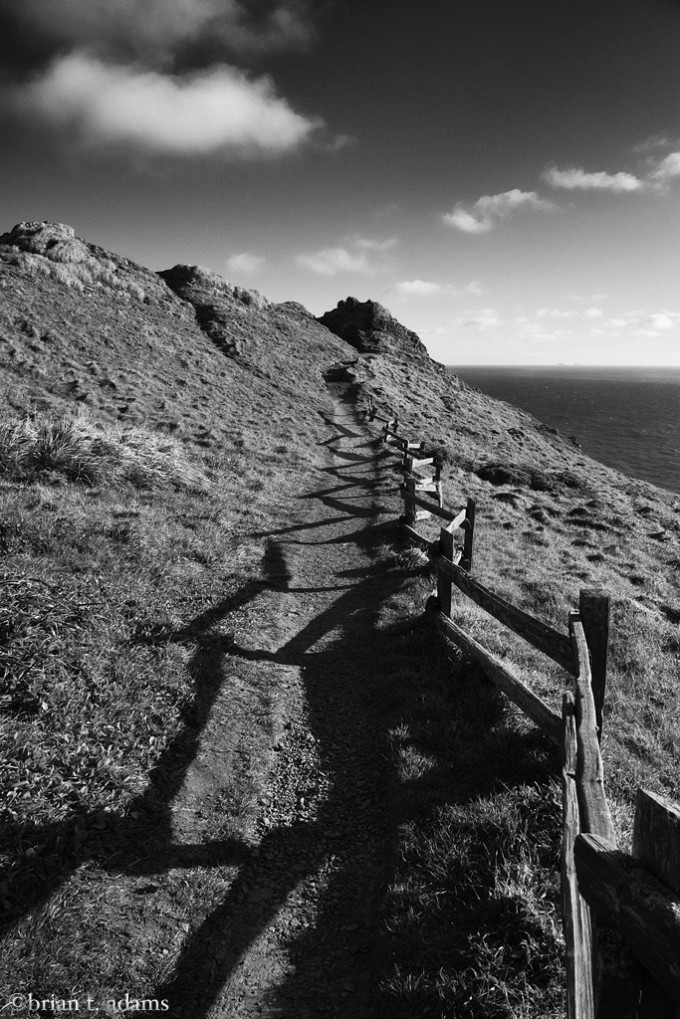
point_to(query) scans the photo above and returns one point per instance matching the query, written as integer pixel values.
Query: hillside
(238, 760)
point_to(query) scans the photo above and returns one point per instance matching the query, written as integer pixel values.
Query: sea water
(629, 418)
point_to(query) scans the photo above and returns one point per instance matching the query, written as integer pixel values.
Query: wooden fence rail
(638, 894)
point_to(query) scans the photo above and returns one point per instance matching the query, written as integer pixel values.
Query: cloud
(661, 321)
(578, 180)
(418, 288)
(331, 261)
(594, 313)
(481, 216)
(221, 110)
(668, 169)
(71, 62)
(484, 319)
(354, 255)
(245, 263)
(369, 245)
(157, 32)
(426, 288)
(646, 323)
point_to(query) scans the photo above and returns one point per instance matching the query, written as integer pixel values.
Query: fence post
(656, 844)
(578, 936)
(410, 516)
(594, 611)
(469, 525)
(446, 551)
(437, 464)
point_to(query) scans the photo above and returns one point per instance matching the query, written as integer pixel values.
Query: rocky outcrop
(370, 328)
(199, 285)
(215, 302)
(55, 241)
(53, 250)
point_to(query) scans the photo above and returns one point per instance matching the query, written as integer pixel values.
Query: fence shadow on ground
(359, 669)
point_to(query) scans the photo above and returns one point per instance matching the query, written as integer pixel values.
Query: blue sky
(503, 175)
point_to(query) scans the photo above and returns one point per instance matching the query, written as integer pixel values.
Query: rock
(202, 286)
(370, 328)
(55, 241)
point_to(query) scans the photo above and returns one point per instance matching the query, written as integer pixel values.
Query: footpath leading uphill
(296, 932)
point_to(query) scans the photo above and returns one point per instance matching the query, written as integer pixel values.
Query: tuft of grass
(93, 452)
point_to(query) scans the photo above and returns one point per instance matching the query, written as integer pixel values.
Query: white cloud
(217, 111)
(579, 180)
(419, 288)
(668, 169)
(594, 313)
(245, 263)
(484, 319)
(331, 261)
(662, 320)
(370, 245)
(354, 254)
(656, 143)
(481, 216)
(463, 220)
(427, 288)
(646, 323)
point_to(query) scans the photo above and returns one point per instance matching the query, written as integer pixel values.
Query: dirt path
(296, 934)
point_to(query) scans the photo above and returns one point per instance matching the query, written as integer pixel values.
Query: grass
(116, 546)
(472, 922)
(132, 543)
(93, 452)
(474, 906)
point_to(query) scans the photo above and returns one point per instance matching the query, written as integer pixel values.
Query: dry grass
(93, 452)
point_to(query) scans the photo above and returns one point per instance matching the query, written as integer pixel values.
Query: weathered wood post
(410, 515)
(437, 464)
(656, 844)
(446, 551)
(578, 937)
(614, 979)
(594, 605)
(469, 528)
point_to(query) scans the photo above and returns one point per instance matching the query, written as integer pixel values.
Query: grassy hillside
(158, 432)
(551, 520)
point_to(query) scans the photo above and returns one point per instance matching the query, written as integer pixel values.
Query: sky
(502, 175)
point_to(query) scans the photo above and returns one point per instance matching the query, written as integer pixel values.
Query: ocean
(628, 418)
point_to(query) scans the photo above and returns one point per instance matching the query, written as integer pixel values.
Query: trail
(296, 934)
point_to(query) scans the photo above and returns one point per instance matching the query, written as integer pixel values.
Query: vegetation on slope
(158, 429)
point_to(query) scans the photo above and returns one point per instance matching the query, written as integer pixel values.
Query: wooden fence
(603, 889)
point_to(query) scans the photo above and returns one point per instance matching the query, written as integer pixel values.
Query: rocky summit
(370, 328)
